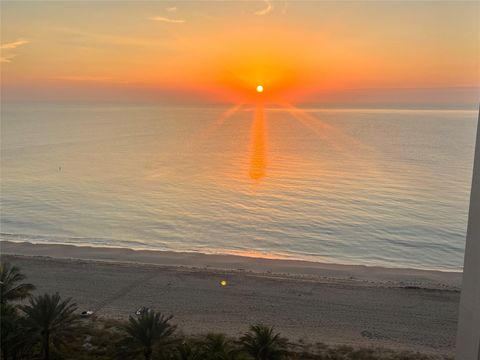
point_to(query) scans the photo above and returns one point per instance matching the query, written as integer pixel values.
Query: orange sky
(219, 51)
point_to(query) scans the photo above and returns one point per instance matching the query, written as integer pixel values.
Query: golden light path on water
(332, 136)
(266, 181)
(258, 160)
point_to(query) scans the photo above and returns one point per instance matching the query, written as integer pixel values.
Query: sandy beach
(335, 304)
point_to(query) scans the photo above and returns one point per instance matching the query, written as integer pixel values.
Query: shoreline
(376, 275)
(400, 309)
(257, 254)
(234, 253)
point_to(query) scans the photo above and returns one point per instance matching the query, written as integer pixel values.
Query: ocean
(376, 187)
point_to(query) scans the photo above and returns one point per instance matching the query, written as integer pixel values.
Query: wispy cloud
(171, 9)
(83, 38)
(86, 78)
(83, 78)
(266, 10)
(15, 44)
(7, 58)
(168, 20)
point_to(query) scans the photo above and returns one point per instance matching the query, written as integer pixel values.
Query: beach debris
(223, 283)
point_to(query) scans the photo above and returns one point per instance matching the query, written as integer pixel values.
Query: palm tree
(10, 287)
(14, 343)
(50, 320)
(148, 330)
(263, 344)
(218, 347)
(188, 351)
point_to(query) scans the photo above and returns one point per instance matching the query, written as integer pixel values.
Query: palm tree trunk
(147, 353)
(47, 346)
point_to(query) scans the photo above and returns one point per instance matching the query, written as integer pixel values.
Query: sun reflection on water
(258, 159)
(258, 163)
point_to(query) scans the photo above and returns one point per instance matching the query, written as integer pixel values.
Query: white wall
(468, 336)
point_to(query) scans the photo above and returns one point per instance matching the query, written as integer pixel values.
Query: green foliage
(11, 286)
(148, 331)
(187, 350)
(14, 343)
(219, 347)
(50, 321)
(263, 344)
(49, 327)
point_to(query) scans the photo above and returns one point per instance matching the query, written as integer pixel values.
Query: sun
(259, 88)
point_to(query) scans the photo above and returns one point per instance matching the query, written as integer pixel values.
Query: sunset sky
(303, 52)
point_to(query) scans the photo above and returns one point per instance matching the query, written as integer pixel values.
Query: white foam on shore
(435, 279)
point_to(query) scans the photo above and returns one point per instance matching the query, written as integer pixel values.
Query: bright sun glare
(259, 88)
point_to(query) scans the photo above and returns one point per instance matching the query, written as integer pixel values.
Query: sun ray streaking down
(334, 136)
(258, 159)
(345, 144)
(217, 123)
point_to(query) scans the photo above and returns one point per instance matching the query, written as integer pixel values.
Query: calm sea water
(375, 187)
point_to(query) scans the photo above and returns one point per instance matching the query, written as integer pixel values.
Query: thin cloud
(6, 58)
(82, 78)
(88, 39)
(171, 9)
(14, 44)
(268, 9)
(168, 20)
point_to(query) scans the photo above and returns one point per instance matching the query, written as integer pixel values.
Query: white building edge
(468, 334)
